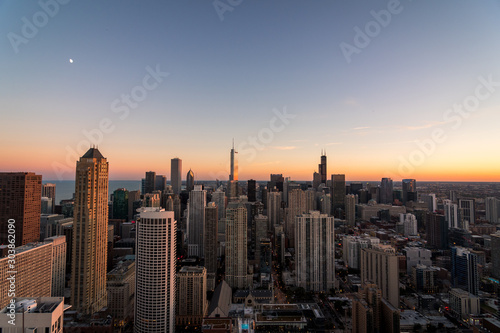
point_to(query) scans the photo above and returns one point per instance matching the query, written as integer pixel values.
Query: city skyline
(393, 89)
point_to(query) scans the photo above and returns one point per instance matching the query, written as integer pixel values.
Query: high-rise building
(175, 174)
(410, 224)
(196, 221)
(325, 204)
(232, 186)
(133, 197)
(252, 190)
(338, 183)
(315, 251)
(236, 247)
(352, 246)
(464, 273)
(322, 168)
(46, 207)
(311, 200)
(20, 206)
(211, 243)
(492, 210)
(495, 255)
(274, 208)
(121, 290)
(437, 231)
(350, 210)
(234, 165)
(90, 233)
(190, 181)
(409, 190)
(49, 191)
(192, 295)
(296, 206)
(386, 191)
(58, 264)
(33, 277)
(219, 197)
(451, 214)
(466, 213)
(379, 265)
(160, 183)
(120, 204)
(155, 271)
(150, 182)
(430, 200)
(316, 180)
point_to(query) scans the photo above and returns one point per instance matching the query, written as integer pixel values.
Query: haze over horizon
(398, 89)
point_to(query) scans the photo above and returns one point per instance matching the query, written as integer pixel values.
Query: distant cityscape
(179, 254)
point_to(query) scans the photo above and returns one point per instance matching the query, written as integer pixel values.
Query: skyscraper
(467, 214)
(120, 204)
(296, 206)
(49, 191)
(379, 265)
(155, 271)
(175, 174)
(90, 233)
(451, 213)
(58, 264)
(430, 200)
(150, 182)
(252, 190)
(350, 210)
(219, 198)
(233, 192)
(492, 210)
(495, 255)
(315, 251)
(236, 247)
(322, 168)
(338, 183)
(196, 221)
(409, 190)
(211, 245)
(192, 295)
(234, 165)
(464, 272)
(160, 182)
(274, 208)
(20, 201)
(190, 180)
(437, 231)
(386, 189)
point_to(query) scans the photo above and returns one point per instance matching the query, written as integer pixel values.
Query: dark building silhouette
(190, 180)
(150, 181)
(252, 190)
(120, 204)
(20, 201)
(437, 231)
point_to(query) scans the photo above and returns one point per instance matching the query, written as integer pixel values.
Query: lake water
(66, 188)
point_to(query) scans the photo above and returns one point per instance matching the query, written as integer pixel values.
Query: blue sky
(227, 76)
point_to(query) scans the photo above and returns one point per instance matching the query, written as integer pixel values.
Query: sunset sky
(407, 89)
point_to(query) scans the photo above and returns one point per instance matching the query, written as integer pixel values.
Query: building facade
(90, 233)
